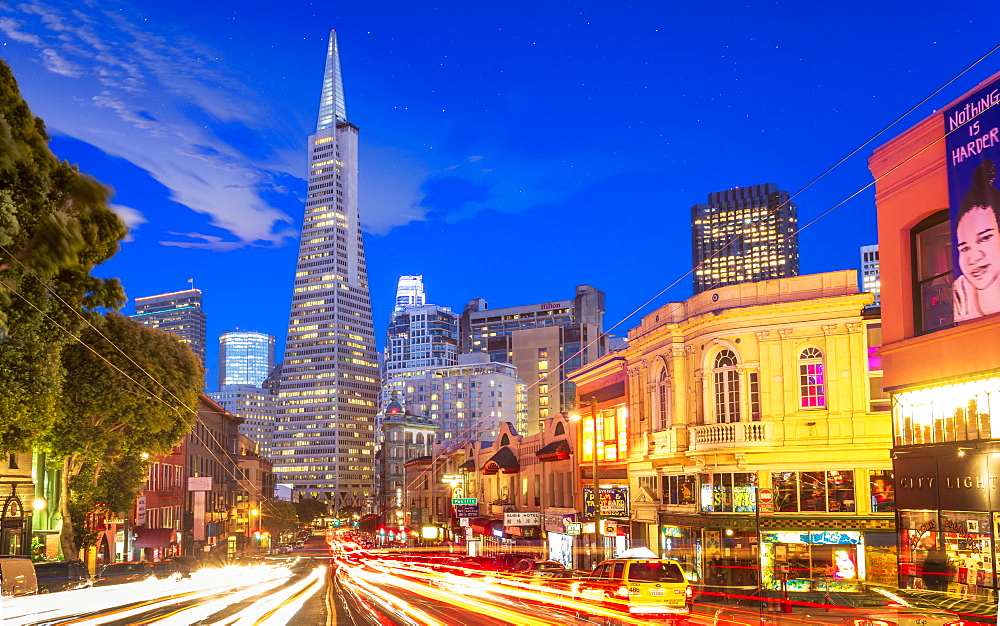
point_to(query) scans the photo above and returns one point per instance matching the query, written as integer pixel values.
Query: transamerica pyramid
(324, 436)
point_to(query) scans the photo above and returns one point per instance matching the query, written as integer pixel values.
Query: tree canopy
(309, 509)
(117, 409)
(55, 227)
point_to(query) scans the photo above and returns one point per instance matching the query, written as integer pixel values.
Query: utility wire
(739, 236)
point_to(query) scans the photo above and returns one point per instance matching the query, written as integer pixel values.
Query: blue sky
(508, 150)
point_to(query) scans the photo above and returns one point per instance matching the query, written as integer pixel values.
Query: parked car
(177, 567)
(864, 607)
(17, 577)
(527, 566)
(505, 562)
(56, 576)
(118, 573)
(648, 588)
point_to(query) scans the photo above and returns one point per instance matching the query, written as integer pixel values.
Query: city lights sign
(972, 142)
(614, 501)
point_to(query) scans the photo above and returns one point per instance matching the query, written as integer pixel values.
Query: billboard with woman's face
(973, 145)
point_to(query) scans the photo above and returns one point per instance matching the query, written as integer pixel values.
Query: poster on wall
(972, 142)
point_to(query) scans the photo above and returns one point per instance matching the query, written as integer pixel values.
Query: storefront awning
(468, 465)
(503, 461)
(485, 526)
(153, 537)
(556, 451)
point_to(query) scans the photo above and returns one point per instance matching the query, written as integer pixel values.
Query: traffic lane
(406, 597)
(207, 592)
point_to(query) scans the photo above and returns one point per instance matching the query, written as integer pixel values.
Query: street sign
(766, 496)
(466, 507)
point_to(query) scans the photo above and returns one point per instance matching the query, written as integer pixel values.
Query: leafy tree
(55, 227)
(278, 518)
(309, 509)
(112, 419)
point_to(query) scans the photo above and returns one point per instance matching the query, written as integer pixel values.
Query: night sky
(509, 150)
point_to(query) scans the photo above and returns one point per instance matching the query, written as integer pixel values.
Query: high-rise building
(419, 336)
(256, 406)
(329, 377)
(410, 292)
(178, 313)
(543, 341)
(870, 280)
(469, 400)
(744, 235)
(245, 357)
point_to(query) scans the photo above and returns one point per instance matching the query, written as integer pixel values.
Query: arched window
(812, 383)
(661, 397)
(726, 387)
(505, 440)
(560, 429)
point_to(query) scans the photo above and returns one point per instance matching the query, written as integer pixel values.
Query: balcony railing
(664, 442)
(735, 435)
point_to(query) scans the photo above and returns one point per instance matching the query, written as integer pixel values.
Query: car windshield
(655, 571)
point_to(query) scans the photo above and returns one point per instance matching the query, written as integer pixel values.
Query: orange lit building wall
(911, 185)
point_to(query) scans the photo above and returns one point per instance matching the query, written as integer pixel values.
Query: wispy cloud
(132, 218)
(156, 99)
(11, 28)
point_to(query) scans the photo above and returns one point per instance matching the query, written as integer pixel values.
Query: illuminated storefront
(941, 344)
(949, 501)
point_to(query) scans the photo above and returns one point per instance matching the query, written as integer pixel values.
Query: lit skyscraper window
(178, 313)
(324, 433)
(245, 357)
(744, 235)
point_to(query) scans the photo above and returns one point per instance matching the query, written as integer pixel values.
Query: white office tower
(257, 407)
(870, 280)
(419, 336)
(468, 400)
(409, 292)
(324, 436)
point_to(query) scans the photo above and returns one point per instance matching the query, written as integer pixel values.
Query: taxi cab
(641, 587)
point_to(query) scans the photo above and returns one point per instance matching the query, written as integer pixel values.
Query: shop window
(728, 492)
(882, 487)
(812, 385)
(678, 489)
(803, 561)
(726, 387)
(825, 492)
(930, 241)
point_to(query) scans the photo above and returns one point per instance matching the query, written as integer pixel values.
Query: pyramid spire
(332, 108)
